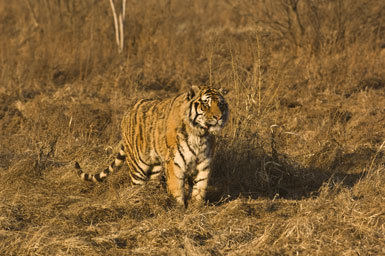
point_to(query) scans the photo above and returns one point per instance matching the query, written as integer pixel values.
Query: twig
(119, 24)
(124, 10)
(115, 22)
(121, 33)
(33, 15)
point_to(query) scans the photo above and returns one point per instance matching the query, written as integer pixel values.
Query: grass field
(299, 168)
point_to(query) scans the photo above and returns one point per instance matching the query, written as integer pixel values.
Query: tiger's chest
(193, 150)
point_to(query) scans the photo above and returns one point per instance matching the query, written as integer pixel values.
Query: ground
(299, 168)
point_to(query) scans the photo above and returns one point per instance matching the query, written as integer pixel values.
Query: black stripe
(183, 176)
(205, 167)
(135, 164)
(196, 181)
(176, 164)
(120, 157)
(189, 114)
(149, 125)
(151, 171)
(136, 184)
(164, 128)
(139, 138)
(107, 171)
(138, 168)
(134, 121)
(155, 144)
(172, 104)
(185, 135)
(77, 166)
(98, 178)
(135, 176)
(165, 141)
(156, 172)
(154, 140)
(180, 152)
(193, 119)
(140, 159)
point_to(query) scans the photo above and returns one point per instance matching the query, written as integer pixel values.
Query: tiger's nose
(217, 117)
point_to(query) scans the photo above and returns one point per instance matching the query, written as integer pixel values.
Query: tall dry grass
(299, 167)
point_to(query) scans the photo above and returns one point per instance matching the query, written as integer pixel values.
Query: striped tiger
(174, 137)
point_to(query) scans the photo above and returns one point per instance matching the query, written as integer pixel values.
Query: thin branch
(124, 10)
(115, 22)
(121, 33)
(33, 15)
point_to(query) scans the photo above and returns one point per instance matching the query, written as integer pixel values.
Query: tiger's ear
(194, 90)
(223, 91)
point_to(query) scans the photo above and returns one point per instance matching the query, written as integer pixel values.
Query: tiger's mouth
(214, 124)
(211, 124)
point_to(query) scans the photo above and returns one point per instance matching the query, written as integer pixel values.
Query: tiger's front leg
(175, 181)
(201, 182)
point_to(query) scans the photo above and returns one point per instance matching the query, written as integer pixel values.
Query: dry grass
(299, 168)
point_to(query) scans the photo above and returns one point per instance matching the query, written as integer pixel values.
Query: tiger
(174, 137)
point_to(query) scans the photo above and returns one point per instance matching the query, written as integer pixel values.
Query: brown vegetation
(299, 168)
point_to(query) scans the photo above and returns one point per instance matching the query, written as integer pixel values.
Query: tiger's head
(208, 109)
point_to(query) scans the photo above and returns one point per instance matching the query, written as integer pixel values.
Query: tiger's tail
(99, 177)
